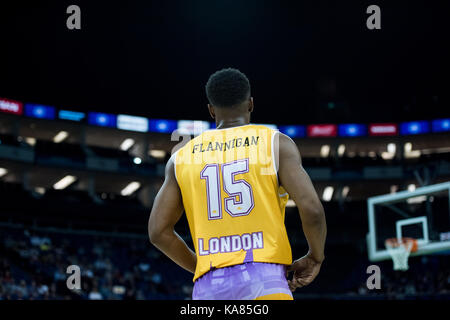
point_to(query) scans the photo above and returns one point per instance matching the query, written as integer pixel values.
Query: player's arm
(293, 177)
(167, 210)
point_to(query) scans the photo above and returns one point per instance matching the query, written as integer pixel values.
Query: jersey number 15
(240, 200)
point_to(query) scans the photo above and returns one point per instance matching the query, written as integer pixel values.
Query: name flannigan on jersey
(224, 146)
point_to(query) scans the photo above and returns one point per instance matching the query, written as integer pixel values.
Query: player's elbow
(315, 214)
(154, 234)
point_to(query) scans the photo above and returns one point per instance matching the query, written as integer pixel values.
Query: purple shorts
(246, 281)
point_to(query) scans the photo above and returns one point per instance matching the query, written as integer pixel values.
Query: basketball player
(234, 189)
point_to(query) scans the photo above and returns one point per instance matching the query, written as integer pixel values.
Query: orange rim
(394, 243)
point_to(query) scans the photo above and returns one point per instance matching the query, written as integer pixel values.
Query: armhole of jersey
(174, 156)
(274, 133)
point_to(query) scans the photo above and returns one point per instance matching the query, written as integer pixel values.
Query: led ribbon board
(11, 106)
(162, 125)
(71, 115)
(352, 130)
(132, 123)
(102, 119)
(383, 129)
(39, 111)
(414, 127)
(293, 131)
(322, 130)
(441, 125)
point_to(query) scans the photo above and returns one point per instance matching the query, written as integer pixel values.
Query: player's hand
(305, 271)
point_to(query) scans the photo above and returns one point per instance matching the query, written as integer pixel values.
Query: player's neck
(230, 123)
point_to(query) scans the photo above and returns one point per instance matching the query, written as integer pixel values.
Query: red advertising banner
(11, 106)
(383, 129)
(322, 130)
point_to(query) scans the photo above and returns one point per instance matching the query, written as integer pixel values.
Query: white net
(399, 251)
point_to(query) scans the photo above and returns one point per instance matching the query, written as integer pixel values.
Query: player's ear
(250, 105)
(211, 111)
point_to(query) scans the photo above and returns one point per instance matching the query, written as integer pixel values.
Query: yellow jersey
(233, 202)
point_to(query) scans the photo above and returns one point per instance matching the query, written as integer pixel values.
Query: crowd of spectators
(35, 267)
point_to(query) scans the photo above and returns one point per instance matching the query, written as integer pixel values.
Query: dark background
(308, 61)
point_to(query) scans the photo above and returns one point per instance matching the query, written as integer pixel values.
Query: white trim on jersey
(174, 156)
(273, 152)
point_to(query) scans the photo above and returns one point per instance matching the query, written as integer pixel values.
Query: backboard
(422, 214)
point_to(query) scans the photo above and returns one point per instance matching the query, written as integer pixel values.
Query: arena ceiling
(315, 62)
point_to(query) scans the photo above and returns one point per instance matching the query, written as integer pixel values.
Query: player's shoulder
(284, 138)
(284, 144)
(278, 137)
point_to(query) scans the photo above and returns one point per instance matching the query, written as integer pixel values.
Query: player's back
(234, 205)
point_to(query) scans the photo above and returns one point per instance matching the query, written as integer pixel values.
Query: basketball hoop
(399, 250)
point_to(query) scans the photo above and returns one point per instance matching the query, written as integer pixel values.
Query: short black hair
(227, 88)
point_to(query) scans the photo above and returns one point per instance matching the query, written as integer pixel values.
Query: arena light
(391, 148)
(64, 182)
(325, 151)
(130, 188)
(345, 191)
(159, 154)
(3, 172)
(327, 193)
(407, 147)
(60, 137)
(409, 152)
(418, 199)
(387, 155)
(137, 160)
(413, 154)
(39, 190)
(341, 150)
(126, 144)
(30, 140)
(394, 188)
